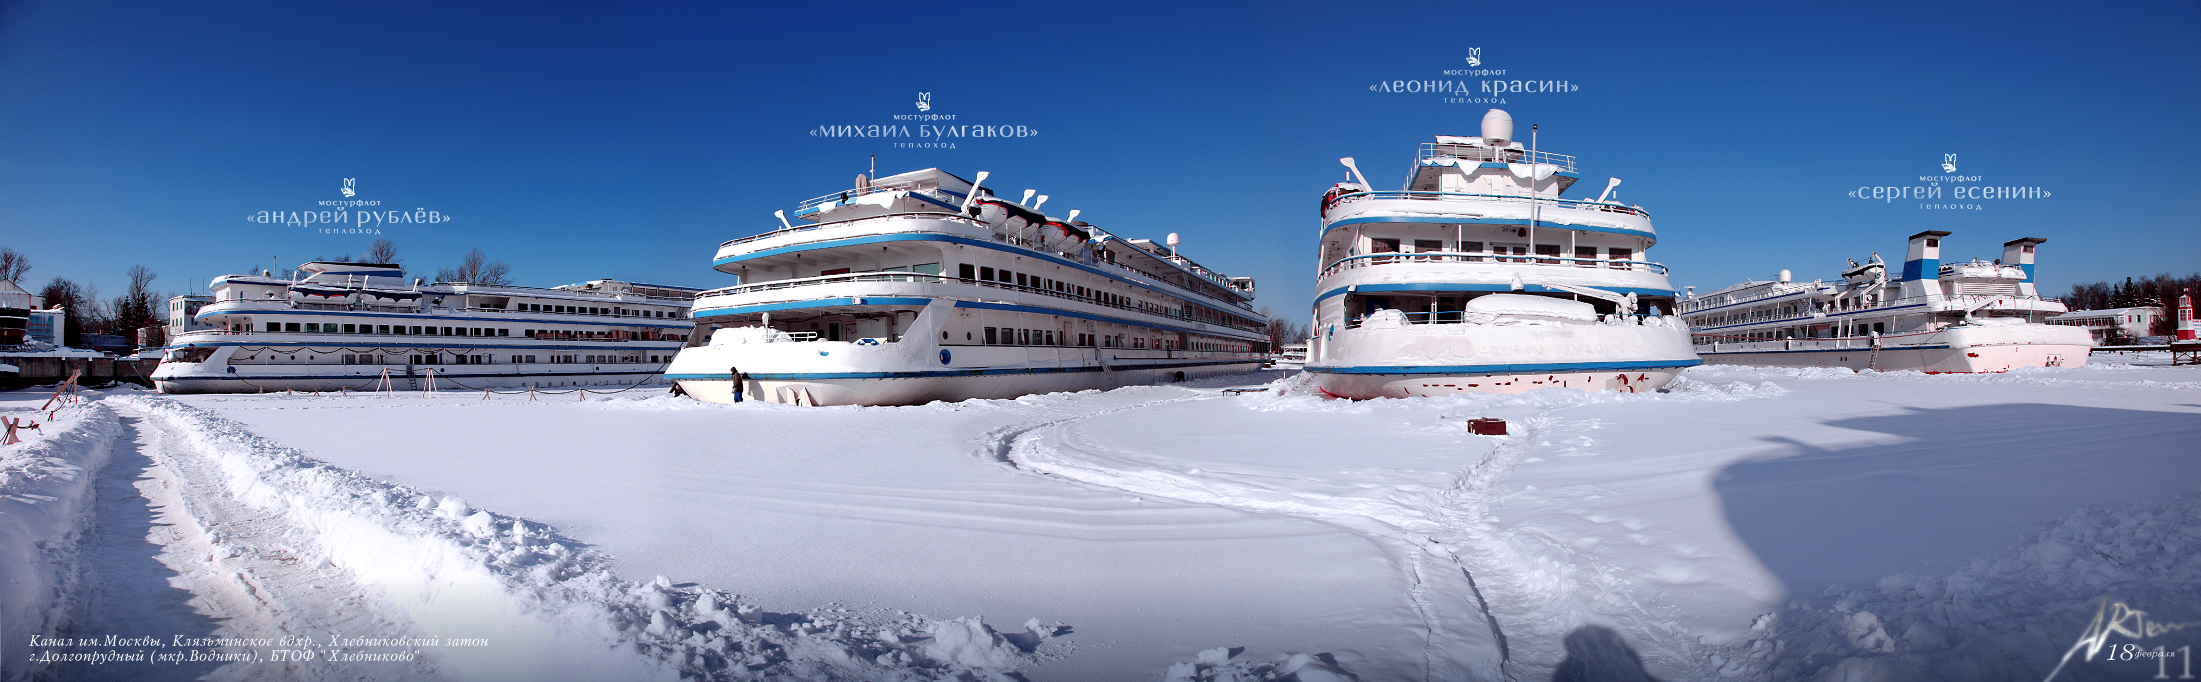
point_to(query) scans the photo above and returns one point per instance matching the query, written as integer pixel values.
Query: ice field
(1747, 524)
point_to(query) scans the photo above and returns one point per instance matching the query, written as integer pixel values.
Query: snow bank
(2011, 617)
(45, 498)
(553, 609)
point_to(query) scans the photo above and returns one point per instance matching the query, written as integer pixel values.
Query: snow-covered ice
(1748, 524)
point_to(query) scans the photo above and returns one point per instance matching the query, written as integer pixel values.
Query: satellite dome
(1497, 127)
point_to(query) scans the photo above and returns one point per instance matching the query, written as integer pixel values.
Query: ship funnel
(782, 215)
(973, 196)
(1362, 179)
(1027, 201)
(1497, 127)
(1609, 185)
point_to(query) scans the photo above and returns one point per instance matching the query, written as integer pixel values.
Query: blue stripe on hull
(1823, 350)
(1445, 286)
(816, 303)
(929, 374)
(1509, 369)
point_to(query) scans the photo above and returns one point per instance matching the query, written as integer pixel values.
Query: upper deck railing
(927, 278)
(1184, 265)
(1434, 150)
(1581, 204)
(1371, 259)
(833, 223)
(843, 196)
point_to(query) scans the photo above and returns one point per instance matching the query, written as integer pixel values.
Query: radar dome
(1497, 127)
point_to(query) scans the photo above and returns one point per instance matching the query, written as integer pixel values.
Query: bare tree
(13, 265)
(1282, 331)
(135, 308)
(382, 251)
(67, 295)
(477, 268)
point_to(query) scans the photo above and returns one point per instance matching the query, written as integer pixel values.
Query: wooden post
(68, 384)
(13, 424)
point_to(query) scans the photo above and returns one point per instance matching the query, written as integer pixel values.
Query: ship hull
(1445, 359)
(1951, 351)
(821, 373)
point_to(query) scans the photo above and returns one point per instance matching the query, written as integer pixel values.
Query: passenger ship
(1933, 317)
(363, 327)
(925, 286)
(1477, 277)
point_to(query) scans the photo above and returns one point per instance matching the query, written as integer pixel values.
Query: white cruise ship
(918, 287)
(1477, 277)
(1934, 317)
(364, 327)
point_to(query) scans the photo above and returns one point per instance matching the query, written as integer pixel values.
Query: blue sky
(628, 140)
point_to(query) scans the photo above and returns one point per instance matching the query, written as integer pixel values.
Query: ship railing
(1582, 204)
(1374, 259)
(842, 197)
(839, 223)
(1460, 317)
(1190, 268)
(925, 278)
(1435, 150)
(537, 336)
(1777, 290)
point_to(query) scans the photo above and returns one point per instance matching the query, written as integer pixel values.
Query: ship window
(504, 332)
(1383, 246)
(290, 327)
(1550, 253)
(1932, 242)
(990, 338)
(1024, 337)
(926, 268)
(1020, 280)
(986, 274)
(966, 271)
(835, 271)
(1585, 254)
(1428, 245)
(1050, 338)
(447, 331)
(1472, 247)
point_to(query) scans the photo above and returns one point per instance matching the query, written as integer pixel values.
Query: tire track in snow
(1054, 448)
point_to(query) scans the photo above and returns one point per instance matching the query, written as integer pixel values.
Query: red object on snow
(1487, 427)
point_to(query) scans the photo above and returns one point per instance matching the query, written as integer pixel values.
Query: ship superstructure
(363, 326)
(1974, 316)
(1477, 277)
(924, 286)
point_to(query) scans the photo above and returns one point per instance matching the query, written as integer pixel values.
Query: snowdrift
(45, 498)
(552, 608)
